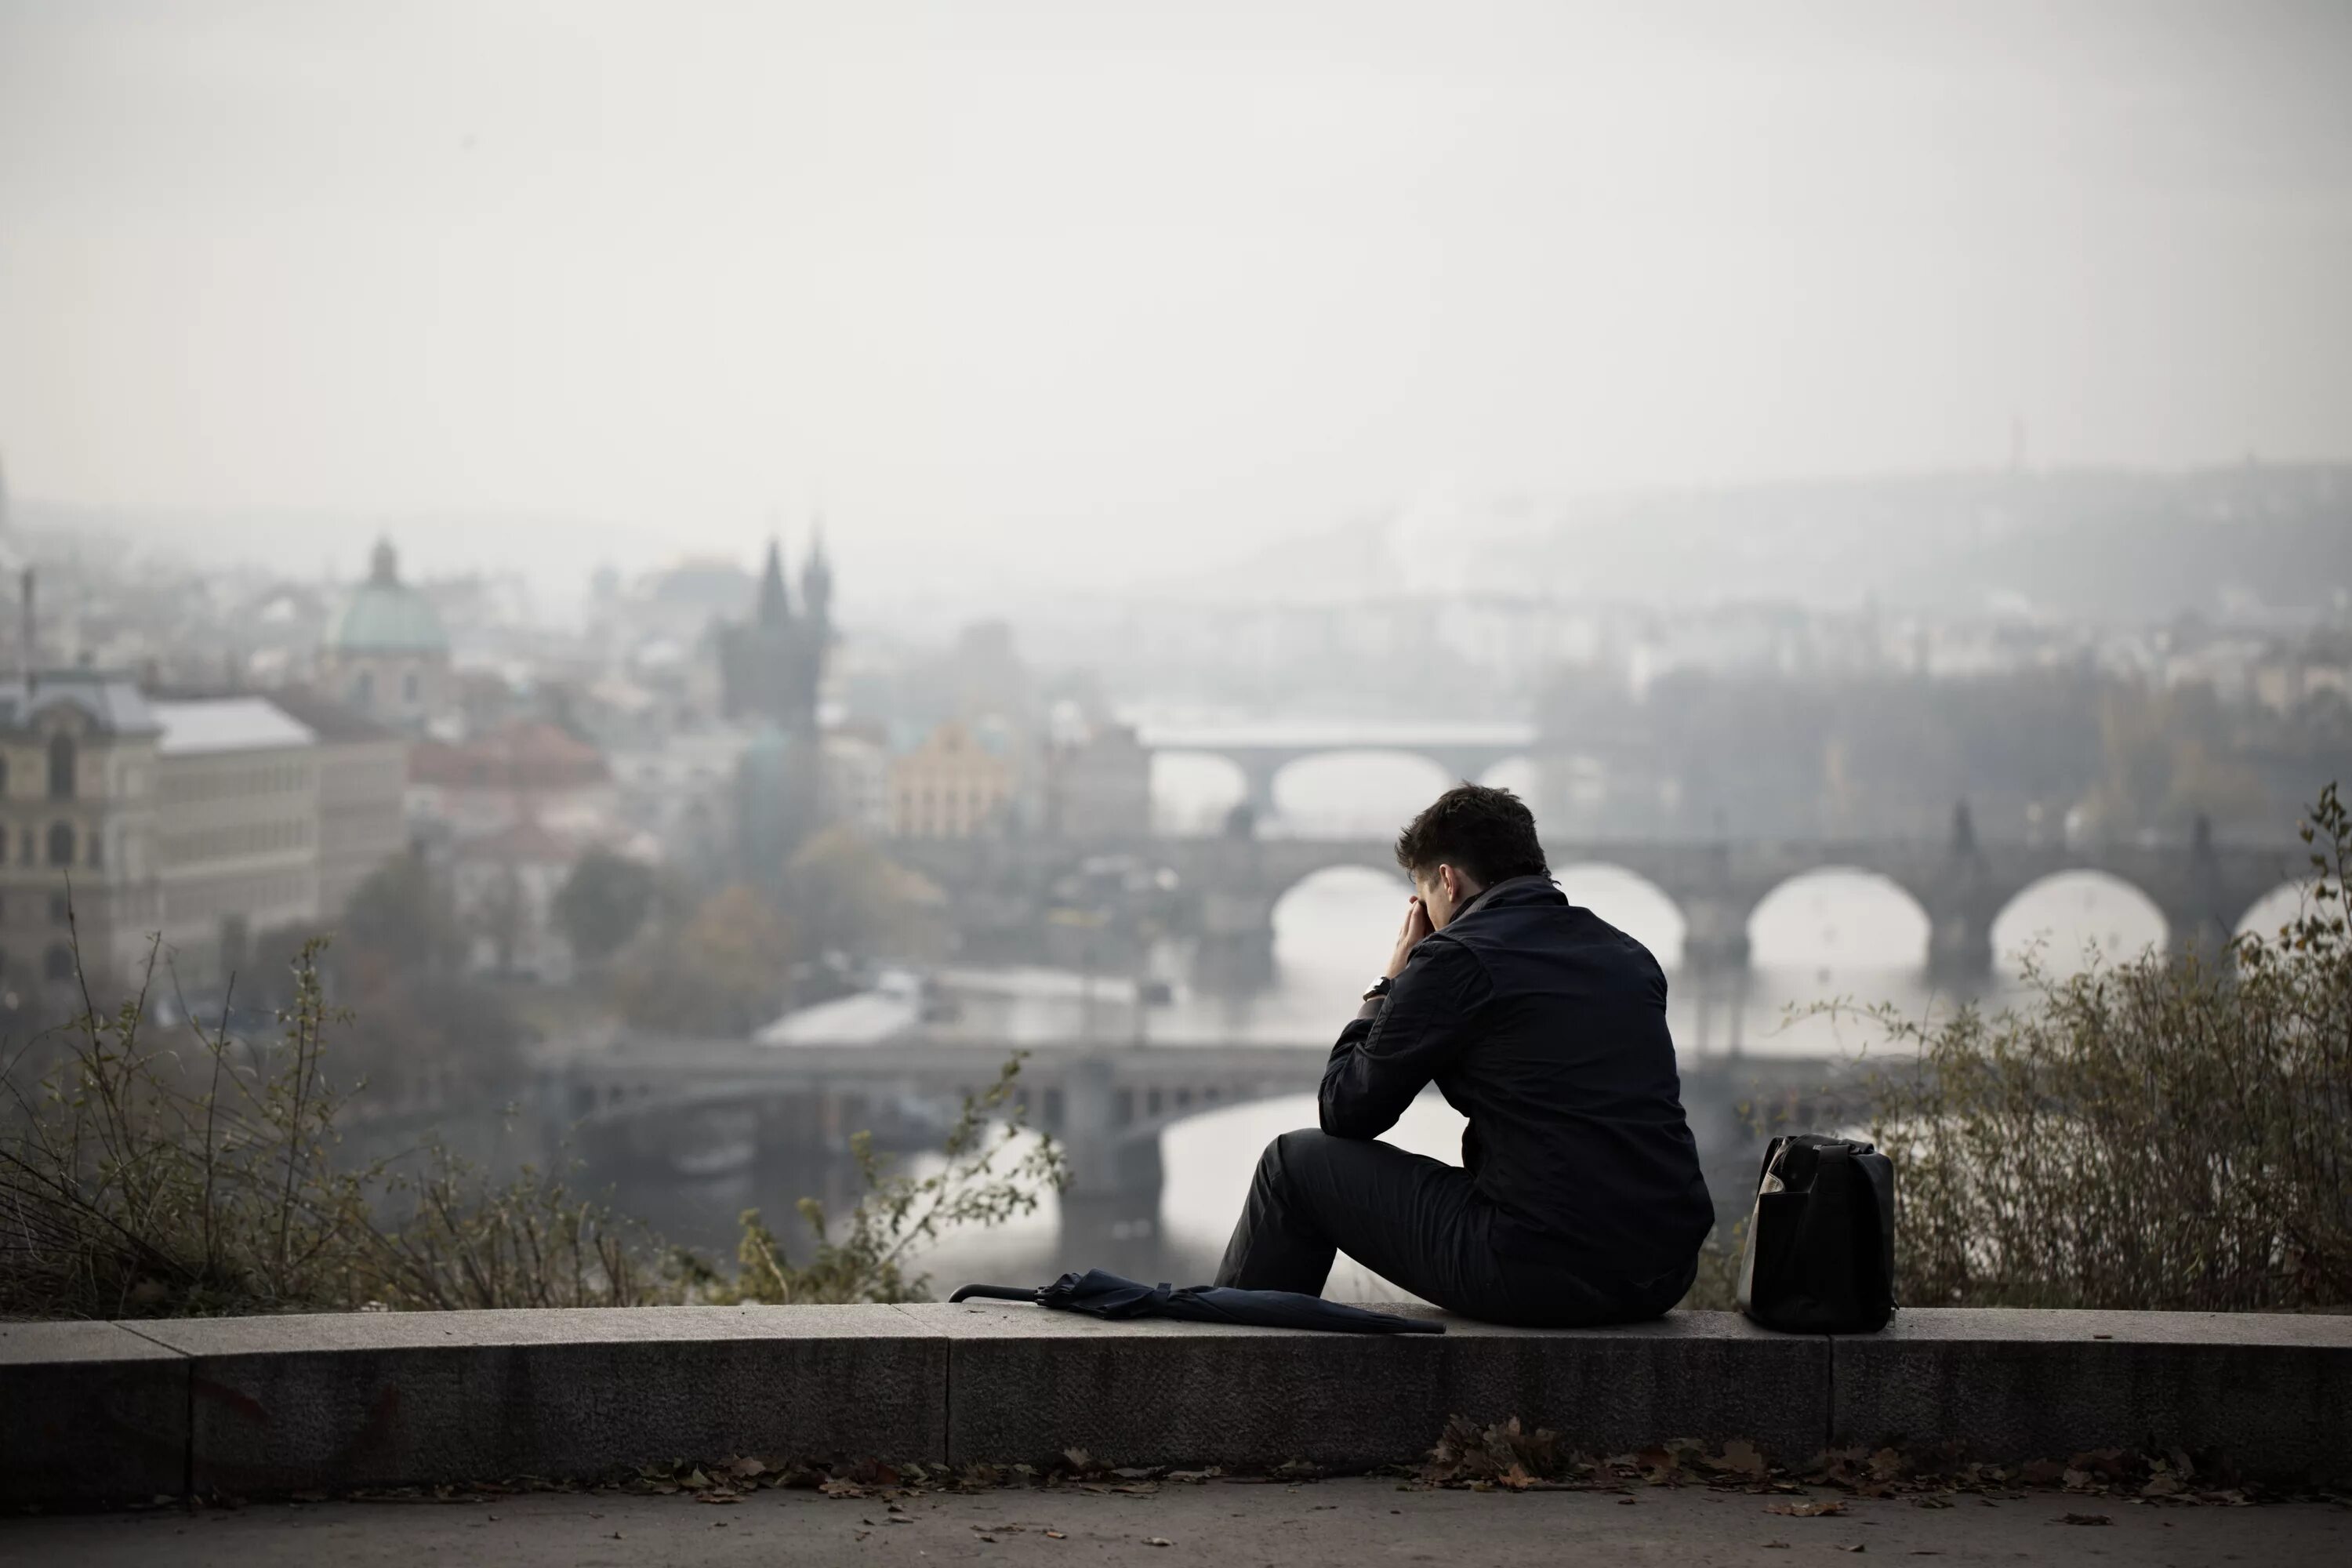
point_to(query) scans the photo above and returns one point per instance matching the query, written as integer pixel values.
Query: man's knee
(1285, 1154)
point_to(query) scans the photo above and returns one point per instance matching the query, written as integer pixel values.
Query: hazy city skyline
(1057, 294)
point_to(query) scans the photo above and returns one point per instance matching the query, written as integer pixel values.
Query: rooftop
(329, 720)
(110, 696)
(226, 724)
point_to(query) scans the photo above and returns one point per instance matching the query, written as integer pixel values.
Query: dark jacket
(1546, 1026)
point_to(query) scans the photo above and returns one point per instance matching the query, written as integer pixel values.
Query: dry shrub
(2149, 1134)
(200, 1176)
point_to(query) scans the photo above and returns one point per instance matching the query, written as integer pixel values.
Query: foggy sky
(1072, 292)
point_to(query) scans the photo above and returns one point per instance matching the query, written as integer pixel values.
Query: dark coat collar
(1527, 890)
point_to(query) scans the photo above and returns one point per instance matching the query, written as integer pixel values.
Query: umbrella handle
(997, 1293)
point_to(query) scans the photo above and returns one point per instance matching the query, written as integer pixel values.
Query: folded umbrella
(1105, 1295)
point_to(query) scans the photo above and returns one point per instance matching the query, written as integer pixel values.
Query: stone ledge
(89, 1413)
(1028, 1382)
(95, 1412)
(2272, 1390)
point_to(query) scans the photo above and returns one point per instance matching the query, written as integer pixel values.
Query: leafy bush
(138, 1179)
(2147, 1135)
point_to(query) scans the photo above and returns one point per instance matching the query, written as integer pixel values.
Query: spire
(816, 576)
(775, 608)
(383, 564)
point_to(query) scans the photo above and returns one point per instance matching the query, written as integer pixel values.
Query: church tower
(775, 608)
(772, 664)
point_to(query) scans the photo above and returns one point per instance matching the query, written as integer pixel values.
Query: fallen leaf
(1742, 1457)
(1080, 1461)
(1626, 1500)
(1825, 1508)
(1055, 1535)
(1857, 1546)
(716, 1497)
(990, 1539)
(1775, 1546)
(859, 1534)
(1156, 1541)
(747, 1467)
(842, 1489)
(2084, 1518)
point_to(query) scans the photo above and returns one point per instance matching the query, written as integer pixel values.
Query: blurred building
(1099, 786)
(771, 665)
(387, 653)
(503, 886)
(363, 784)
(949, 787)
(236, 829)
(677, 789)
(77, 803)
(857, 781)
(527, 771)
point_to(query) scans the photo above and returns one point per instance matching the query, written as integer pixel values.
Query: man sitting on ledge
(1579, 1199)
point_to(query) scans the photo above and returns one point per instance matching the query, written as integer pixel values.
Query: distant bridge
(1465, 751)
(1106, 1103)
(1232, 883)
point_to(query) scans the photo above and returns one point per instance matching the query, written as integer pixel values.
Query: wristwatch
(1378, 987)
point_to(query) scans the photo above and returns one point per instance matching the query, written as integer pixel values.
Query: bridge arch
(1836, 918)
(2067, 916)
(2275, 908)
(1355, 793)
(1194, 793)
(1519, 774)
(1630, 901)
(1332, 927)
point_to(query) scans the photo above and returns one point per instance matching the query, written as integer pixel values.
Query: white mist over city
(746, 563)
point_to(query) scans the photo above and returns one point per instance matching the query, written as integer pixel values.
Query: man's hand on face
(1416, 926)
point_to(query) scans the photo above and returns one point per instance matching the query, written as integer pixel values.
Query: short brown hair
(1487, 832)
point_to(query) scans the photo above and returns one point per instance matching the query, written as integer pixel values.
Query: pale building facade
(1099, 786)
(362, 784)
(949, 787)
(237, 828)
(857, 784)
(77, 769)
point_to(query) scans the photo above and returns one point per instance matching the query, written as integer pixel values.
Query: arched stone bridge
(1261, 752)
(1106, 1103)
(1232, 884)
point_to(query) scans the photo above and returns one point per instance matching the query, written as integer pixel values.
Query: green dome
(386, 616)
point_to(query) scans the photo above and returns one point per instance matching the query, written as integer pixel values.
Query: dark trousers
(1422, 1224)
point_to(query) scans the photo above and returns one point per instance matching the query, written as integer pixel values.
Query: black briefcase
(1821, 1241)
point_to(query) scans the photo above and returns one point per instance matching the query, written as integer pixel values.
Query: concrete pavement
(1359, 1523)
